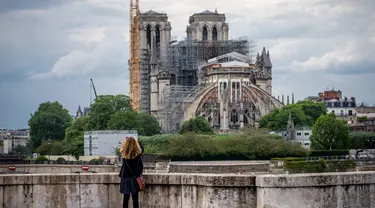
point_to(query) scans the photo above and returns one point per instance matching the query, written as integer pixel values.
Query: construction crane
(93, 87)
(135, 53)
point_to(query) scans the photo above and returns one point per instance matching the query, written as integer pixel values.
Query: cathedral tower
(155, 38)
(207, 26)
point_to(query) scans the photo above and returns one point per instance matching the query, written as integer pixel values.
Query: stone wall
(191, 190)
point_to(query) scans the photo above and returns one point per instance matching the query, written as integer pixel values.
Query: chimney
(287, 100)
(282, 101)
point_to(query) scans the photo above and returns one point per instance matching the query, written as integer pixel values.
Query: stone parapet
(176, 190)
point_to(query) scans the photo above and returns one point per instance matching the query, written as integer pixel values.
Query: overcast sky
(49, 49)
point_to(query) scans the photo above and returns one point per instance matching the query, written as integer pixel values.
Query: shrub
(197, 125)
(156, 144)
(362, 140)
(290, 159)
(96, 161)
(41, 158)
(318, 166)
(60, 160)
(235, 147)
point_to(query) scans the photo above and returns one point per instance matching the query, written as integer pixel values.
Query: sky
(49, 49)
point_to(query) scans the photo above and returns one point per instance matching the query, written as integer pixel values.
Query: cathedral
(205, 74)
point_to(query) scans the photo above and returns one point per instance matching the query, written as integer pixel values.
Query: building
(205, 74)
(344, 108)
(104, 143)
(301, 135)
(13, 138)
(367, 125)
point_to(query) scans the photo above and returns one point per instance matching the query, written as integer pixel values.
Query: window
(307, 144)
(214, 33)
(298, 133)
(204, 33)
(157, 33)
(307, 134)
(342, 112)
(350, 112)
(148, 34)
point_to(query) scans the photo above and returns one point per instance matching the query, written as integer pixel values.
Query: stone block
(162, 178)
(49, 179)
(16, 179)
(218, 180)
(56, 196)
(315, 179)
(94, 195)
(99, 178)
(18, 196)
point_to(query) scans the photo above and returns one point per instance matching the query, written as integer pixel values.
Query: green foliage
(96, 161)
(104, 107)
(156, 144)
(41, 158)
(303, 113)
(197, 125)
(329, 133)
(60, 160)
(289, 159)
(362, 140)
(362, 119)
(145, 124)
(51, 148)
(248, 145)
(73, 142)
(25, 150)
(319, 166)
(48, 123)
(1, 143)
(337, 152)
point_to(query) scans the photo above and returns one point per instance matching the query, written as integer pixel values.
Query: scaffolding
(182, 61)
(183, 58)
(145, 81)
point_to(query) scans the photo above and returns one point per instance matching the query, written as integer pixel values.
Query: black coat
(136, 166)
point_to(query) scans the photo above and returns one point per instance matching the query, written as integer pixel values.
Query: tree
(312, 110)
(48, 123)
(362, 140)
(104, 107)
(198, 125)
(329, 133)
(303, 113)
(362, 119)
(74, 141)
(51, 148)
(145, 124)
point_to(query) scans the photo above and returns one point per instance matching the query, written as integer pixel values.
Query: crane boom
(93, 87)
(135, 53)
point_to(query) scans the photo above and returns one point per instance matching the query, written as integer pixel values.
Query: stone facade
(339, 190)
(207, 26)
(236, 93)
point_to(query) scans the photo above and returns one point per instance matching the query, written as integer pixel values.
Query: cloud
(50, 49)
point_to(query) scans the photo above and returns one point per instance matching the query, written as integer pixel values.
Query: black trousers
(134, 198)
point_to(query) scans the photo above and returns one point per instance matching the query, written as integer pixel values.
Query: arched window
(148, 35)
(157, 33)
(245, 118)
(214, 33)
(234, 116)
(204, 33)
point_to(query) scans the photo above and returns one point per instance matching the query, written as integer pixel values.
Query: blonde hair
(130, 149)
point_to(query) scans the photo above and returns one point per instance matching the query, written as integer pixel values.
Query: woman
(132, 167)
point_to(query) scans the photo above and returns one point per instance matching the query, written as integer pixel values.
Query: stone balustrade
(354, 189)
